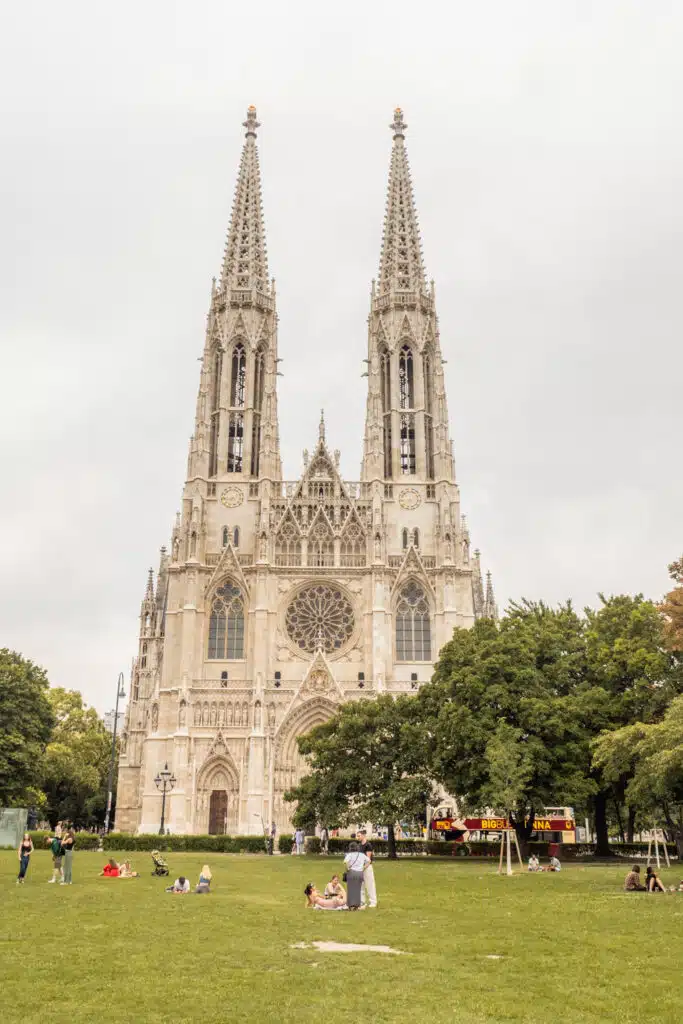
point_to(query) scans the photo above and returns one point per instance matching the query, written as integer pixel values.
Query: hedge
(184, 844)
(84, 840)
(337, 847)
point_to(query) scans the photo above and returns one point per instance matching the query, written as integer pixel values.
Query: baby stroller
(160, 865)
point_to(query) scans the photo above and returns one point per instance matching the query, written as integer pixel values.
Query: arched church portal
(217, 798)
(289, 765)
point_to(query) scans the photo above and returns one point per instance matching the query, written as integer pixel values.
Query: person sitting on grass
(554, 865)
(335, 888)
(126, 871)
(534, 864)
(204, 884)
(632, 880)
(316, 901)
(653, 882)
(181, 885)
(111, 869)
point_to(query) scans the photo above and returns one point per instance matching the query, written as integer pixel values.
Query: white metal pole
(657, 848)
(500, 861)
(509, 853)
(666, 850)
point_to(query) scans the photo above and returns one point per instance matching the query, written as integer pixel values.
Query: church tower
(279, 600)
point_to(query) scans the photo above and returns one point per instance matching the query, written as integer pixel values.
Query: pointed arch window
(416, 537)
(406, 387)
(408, 443)
(235, 442)
(214, 429)
(259, 386)
(226, 624)
(288, 545)
(321, 545)
(413, 625)
(236, 537)
(385, 391)
(352, 547)
(428, 378)
(405, 537)
(238, 377)
(225, 536)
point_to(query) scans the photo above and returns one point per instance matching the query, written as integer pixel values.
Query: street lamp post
(165, 780)
(120, 692)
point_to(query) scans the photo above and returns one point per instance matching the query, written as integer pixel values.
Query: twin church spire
(406, 433)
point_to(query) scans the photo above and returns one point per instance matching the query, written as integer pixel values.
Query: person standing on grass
(25, 850)
(299, 839)
(57, 859)
(324, 840)
(68, 850)
(355, 863)
(369, 889)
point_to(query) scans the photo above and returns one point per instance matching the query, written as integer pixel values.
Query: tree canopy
(503, 698)
(26, 721)
(366, 763)
(651, 755)
(76, 761)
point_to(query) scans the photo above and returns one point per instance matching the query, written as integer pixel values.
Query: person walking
(299, 839)
(356, 863)
(68, 842)
(25, 850)
(324, 840)
(57, 858)
(369, 888)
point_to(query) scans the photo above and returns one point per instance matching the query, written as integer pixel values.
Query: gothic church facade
(278, 600)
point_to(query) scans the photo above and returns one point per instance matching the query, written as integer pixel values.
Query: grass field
(571, 947)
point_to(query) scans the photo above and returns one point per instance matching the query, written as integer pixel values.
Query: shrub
(284, 843)
(312, 844)
(184, 844)
(84, 840)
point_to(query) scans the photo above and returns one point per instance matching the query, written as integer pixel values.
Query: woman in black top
(68, 851)
(25, 850)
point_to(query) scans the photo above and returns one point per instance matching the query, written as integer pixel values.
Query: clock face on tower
(231, 497)
(409, 498)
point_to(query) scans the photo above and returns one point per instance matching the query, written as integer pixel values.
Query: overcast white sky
(547, 156)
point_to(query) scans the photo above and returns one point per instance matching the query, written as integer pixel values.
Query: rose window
(320, 616)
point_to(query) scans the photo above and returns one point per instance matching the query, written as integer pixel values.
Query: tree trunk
(631, 824)
(620, 822)
(523, 829)
(602, 848)
(391, 843)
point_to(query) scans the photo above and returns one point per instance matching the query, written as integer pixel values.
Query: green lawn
(573, 947)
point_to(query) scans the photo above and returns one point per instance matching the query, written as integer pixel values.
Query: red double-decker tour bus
(556, 825)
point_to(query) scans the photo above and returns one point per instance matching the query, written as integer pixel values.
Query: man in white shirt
(299, 839)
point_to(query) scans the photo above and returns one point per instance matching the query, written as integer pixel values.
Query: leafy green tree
(76, 761)
(26, 721)
(651, 755)
(512, 682)
(631, 676)
(509, 769)
(366, 763)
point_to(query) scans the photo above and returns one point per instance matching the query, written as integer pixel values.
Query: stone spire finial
(251, 124)
(401, 267)
(398, 125)
(490, 607)
(149, 593)
(245, 264)
(321, 428)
